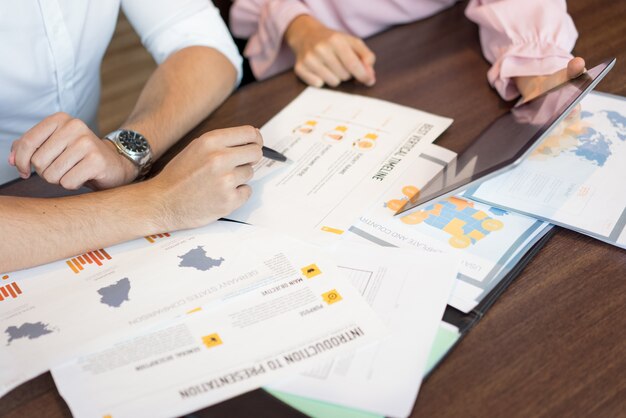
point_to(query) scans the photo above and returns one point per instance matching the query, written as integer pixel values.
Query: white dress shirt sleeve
(166, 26)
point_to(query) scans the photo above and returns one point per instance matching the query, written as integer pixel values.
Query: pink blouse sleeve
(522, 38)
(263, 23)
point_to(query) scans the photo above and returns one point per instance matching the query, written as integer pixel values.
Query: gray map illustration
(115, 294)
(198, 259)
(27, 330)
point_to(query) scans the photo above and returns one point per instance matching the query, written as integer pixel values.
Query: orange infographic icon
(410, 194)
(332, 296)
(212, 340)
(310, 271)
(336, 134)
(367, 142)
(306, 128)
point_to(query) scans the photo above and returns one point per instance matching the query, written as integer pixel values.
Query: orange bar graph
(11, 289)
(95, 257)
(74, 269)
(152, 238)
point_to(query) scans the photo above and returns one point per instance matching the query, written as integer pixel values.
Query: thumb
(575, 67)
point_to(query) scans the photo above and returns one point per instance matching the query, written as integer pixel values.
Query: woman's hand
(325, 56)
(533, 86)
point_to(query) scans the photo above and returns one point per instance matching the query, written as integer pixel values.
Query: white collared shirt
(51, 51)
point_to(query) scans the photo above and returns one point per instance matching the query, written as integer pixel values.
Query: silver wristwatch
(133, 146)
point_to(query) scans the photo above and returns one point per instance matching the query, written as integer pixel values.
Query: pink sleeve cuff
(522, 38)
(266, 49)
(525, 60)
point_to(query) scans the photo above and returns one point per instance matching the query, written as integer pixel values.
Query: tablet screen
(511, 137)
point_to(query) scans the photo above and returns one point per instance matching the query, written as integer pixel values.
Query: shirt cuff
(204, 27)
(525, 60)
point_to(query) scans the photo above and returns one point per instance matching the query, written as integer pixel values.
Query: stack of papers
(190, 318)
(327, 300)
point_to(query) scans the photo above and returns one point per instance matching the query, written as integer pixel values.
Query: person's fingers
(224, 161)
(366, 54)
(243, 174)
(78, 175)
(330, 59)
(12, 158)
(244, 154)
(307, 76)
(72, 132)
(575, 67)
(26, 146)
(352, 62)
(63, 164)
(317, 67)
(371, 75)
(232, 137)
(367, 58)
(243, 193)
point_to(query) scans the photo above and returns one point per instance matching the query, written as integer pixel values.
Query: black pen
(273, 155)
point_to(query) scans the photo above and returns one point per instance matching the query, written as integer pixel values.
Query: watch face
(133, 142)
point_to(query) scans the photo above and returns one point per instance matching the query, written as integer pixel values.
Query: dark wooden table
(554, 343)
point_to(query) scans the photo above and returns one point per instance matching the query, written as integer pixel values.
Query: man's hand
(533, 86)
(325, 56)
(207, 180)
(63, 150)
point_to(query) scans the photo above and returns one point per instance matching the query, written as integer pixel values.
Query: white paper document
(345, 151)
(306, 312)
(55, 312)
(575, 177)
(485, 238)
(409, 291)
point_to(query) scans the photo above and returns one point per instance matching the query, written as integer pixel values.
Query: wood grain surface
(554, 343)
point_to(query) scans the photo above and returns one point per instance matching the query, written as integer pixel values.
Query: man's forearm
(204, 182)
(36, 231)
(181, 92)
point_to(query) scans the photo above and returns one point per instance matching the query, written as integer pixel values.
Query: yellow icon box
(310, 271)
(212, 340)
(331, 297)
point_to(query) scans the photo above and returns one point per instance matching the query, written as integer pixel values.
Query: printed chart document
(488, 240)
(55, 312)
(306, 312)
(409, 291)
(575, 178)
(345, 151)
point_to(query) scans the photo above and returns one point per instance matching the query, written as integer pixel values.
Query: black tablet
(511, 137)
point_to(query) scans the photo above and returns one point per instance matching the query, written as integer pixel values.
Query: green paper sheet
(447, 336)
